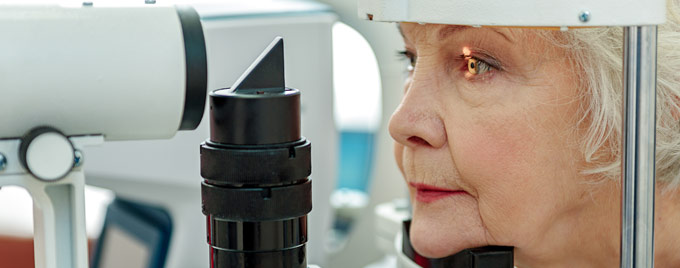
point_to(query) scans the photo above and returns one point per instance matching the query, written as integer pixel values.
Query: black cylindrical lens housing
(256, 193)
(257, 118)
(289, 258)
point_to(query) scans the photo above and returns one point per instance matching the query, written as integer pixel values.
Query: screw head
(87, 3)
(3, 162)
(78, 158)
(584, 16)
(149, 1)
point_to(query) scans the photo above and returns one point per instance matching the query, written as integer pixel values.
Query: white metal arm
(60, 240)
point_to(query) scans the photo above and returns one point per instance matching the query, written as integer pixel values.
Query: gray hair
(596, 58)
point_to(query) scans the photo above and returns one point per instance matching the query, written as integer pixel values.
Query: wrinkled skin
(506, 136)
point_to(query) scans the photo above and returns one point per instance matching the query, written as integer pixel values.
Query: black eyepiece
(256, 192)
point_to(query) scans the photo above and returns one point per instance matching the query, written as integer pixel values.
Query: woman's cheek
(491, 149)
(495, 160)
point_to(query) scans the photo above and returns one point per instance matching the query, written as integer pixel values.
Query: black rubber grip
(261, 167)
(257, 204)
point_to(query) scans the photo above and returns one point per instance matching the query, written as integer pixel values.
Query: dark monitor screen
(134, 235)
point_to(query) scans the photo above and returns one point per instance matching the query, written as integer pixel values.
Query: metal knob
(46, 153)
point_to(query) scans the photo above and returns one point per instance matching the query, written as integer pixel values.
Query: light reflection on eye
(475, 66)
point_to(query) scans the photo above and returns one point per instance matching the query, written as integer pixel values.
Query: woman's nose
(417, 121)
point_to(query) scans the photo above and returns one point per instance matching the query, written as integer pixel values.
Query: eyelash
(491, 64)
(407, 55)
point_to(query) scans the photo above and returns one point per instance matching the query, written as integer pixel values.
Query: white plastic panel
(553, 13)
(53, 71)
(358, 105)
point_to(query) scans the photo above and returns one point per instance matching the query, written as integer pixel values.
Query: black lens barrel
(294, 257)
(256, 193)
(255, 118)
(258, 236)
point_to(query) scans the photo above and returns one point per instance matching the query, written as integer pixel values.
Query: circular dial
(46, 154)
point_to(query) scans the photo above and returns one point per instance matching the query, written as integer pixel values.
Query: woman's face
(488, 138)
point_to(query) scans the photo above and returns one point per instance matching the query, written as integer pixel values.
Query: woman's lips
(428, 193)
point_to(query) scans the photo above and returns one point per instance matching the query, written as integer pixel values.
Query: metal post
(639, 140)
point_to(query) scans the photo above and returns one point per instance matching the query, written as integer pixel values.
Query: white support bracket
(60, 239)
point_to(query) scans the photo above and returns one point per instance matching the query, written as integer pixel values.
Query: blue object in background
(356, 160)
(357, 99)
(353, 182)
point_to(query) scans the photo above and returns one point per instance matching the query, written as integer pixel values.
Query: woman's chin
(440, 230)
(437, 243)
(430, 249)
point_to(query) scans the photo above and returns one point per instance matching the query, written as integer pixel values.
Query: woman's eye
(408, 55)
(476, 66)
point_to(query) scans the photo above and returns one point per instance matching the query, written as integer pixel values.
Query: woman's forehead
(439, 32)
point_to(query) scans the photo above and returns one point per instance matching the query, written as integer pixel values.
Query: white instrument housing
(120, 72)
(539, 13)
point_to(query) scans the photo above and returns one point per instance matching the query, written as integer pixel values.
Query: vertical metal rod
(639, 146)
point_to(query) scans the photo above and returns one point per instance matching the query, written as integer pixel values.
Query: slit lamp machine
(100, 73)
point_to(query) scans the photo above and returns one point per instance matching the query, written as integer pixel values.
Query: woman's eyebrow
(451, 29)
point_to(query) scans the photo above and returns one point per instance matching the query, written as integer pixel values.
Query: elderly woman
(509, 136)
